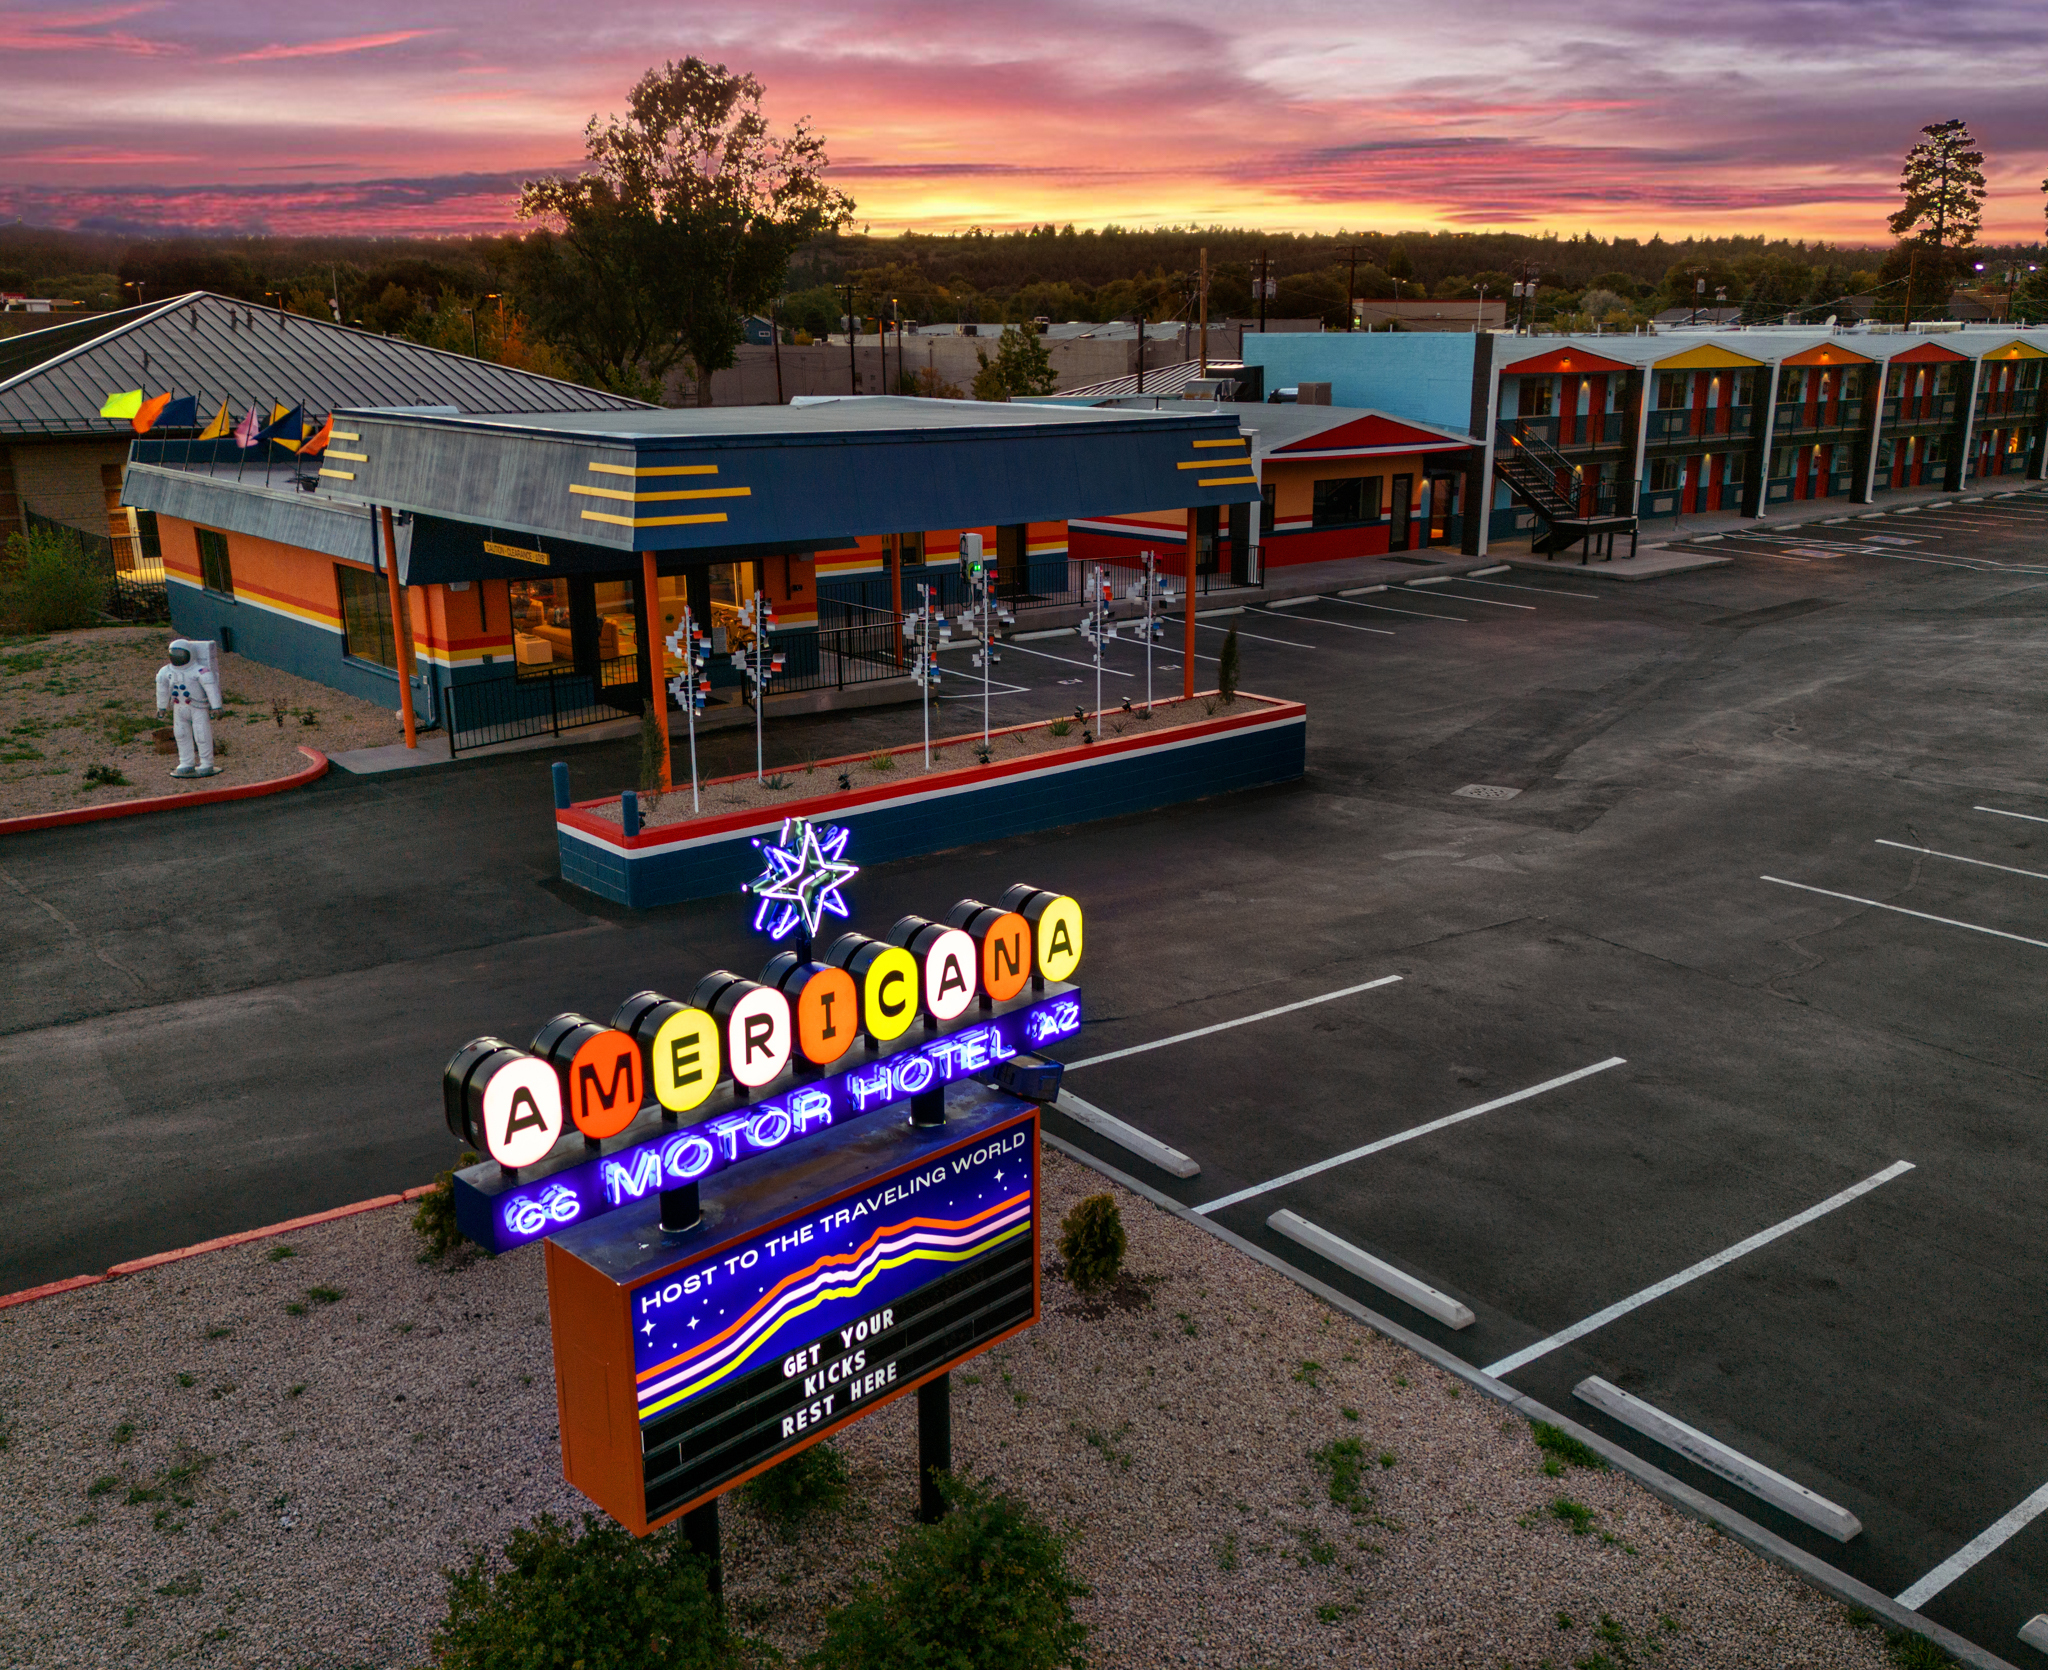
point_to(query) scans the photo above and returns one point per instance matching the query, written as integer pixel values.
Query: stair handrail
(1543, 454)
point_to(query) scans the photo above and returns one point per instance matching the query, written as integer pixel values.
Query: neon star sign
(806, 870)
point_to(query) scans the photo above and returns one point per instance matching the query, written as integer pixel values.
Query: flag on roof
(122, 405)
(286, 428)
(150, 410)
(247, 430)
(218, 427)
(182, 413)
(317, 441)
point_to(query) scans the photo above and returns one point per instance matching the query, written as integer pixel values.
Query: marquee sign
(589, 1119)
(684, 1371)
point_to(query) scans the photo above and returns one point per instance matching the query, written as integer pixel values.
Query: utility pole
(1912, 262)
(1351, 292)
(775, 336)
(852, 333)
(1265, 267)
(1205, 311)
(1141, 350)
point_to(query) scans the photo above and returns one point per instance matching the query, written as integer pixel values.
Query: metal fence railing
(546, 703)
(136, 586)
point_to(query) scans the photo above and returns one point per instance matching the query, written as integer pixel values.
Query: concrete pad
(1651, 563)
(1363, 1265)
(1717, 1458)
(1150, 1149)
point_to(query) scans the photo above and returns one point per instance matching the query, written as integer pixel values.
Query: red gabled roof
(1563, 359)
(1926, 352)
(1380, 433)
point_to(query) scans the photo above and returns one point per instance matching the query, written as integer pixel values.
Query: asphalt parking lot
(1710, 1065)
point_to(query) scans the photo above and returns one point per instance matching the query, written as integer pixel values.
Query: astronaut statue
(188, 695)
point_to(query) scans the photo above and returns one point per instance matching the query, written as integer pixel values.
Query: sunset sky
(1752, 116)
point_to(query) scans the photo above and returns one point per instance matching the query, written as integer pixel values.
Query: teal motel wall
(1422, 375)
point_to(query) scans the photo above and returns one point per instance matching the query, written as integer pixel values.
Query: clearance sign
(590, 1118)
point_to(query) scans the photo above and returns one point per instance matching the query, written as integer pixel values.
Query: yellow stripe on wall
(352, 457)
(653, 469)
(651, 498)
(651, 521)
(1227, 481)
(1241, 440)
(340, 475)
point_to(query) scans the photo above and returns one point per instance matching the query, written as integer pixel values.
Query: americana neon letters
(671, 1157)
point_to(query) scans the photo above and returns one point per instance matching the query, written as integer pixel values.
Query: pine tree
(1943, 186)
(1021, 366)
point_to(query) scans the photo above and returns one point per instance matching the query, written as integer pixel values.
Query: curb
(1693, 1503)
(169, 802)
(135, 1266)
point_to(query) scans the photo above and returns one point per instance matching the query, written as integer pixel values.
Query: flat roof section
(711, 478)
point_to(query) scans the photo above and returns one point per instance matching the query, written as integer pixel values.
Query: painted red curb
(47, 1289)
(135, 1266)
(169, 802)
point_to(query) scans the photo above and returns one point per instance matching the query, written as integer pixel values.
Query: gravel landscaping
(72, 701)
(866, 771)
(266, 1455)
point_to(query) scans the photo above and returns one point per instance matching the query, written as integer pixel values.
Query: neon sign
(586, 1121)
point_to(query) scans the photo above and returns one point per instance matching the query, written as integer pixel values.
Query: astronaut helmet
(181, 652)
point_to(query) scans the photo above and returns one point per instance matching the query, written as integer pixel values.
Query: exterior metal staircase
(1542, 478)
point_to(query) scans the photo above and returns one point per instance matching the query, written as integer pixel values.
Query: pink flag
(245, 431)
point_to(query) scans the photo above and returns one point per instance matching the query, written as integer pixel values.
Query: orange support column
(657, 658)
(1187, 658)
(401, 631)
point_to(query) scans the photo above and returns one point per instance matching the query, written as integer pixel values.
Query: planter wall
(1255, 741)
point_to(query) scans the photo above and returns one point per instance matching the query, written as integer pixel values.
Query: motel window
(1674, 390)
(1665, 474)
(1781, 461)
(1937, 449)
(1745, 388)
(1347, 502)
(1539, 397)
(365, 616)
(214, 572)
(1792, 386)
(1734, 468)
(2030, 374)
(1268, 509)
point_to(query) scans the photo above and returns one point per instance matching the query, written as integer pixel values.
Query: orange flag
(152, 409)
(317, 441)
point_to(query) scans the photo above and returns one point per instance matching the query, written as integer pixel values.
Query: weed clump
(434, 1217)
(1092, 1242)
(604, 1597)
(1561, 1450)
(987, 1588)
(809, 1484)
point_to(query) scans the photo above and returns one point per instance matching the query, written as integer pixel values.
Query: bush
(986, 1588)
(652, 740)
(812, 1481)
(49, 583)
(1092, 1242)
(602, 1599)
(435, 1216)
(1226, 668)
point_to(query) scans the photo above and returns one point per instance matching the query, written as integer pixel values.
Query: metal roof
(1159, 379)
(53, 382)
(588, 491)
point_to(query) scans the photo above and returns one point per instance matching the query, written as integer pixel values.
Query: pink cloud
(79, 32)
(330, 49)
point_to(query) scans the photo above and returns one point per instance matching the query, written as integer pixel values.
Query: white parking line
(1341, 625)
(1490, 602)
(1409, 1135)
(1706, 1266)
(1289, 642)
(1879, 904)
(1089, 665)
(1242, 1020)
(1956, 857)
(1541, 591)
(1388, 609)
(1985, 1542)
(1720, 1459)
(2000, 812)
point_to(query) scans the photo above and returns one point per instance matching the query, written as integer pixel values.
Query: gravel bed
(194, 1474)
(70, 700)
(905, 759)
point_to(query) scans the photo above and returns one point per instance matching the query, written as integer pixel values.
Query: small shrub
(434, 1218)
(808, 1484)
(1916, 1652)
(1060, 727)
(882, 762)
(1575, 1514)
(652, 739)
(104, 776)
(1344, 1460)
(101, 1485)
(1561, 1450)
(277, 1255)
(49, 583)
(602, 1598)
(308, 716)
(325, 1295)
(775, 780)
(278, 709)
(1092, 1242)
(987, 1588)
(1226, 668)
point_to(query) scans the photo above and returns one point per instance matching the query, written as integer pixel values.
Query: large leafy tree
(1021, 366)
(684, 222)
(1942, 183)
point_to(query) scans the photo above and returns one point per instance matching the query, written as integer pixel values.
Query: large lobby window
(365, 616)
(1346, 502)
